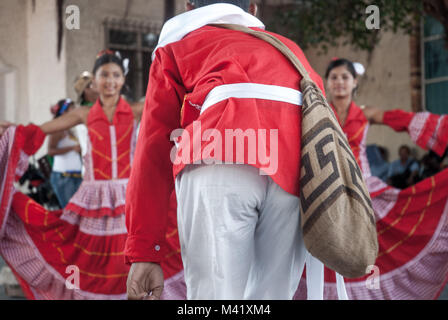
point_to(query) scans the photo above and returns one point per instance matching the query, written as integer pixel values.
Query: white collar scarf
(178, 27)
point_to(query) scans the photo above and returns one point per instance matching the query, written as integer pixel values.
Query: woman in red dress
(77, 252)
(412, 224)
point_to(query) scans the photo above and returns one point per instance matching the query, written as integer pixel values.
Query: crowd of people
(406, 170)
(138, 227)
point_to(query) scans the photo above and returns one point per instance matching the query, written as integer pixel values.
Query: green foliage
(323, 23)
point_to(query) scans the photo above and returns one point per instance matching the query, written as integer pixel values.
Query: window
(135, 41)
(435, 67)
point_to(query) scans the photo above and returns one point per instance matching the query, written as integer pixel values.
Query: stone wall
(83, 45)
(28, 59)
(32, 78)
(14, 60)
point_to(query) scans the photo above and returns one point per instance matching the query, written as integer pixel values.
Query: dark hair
(341, 62)
(61, 107)
(384, 153)
(106, 58)
(405, 147)
(243, 4)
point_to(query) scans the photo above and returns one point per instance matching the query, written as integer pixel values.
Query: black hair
(384, 153)
(341, 62)
(105, 59)
(110, 57)
(405, 147)
(243, 4)
(61, 107)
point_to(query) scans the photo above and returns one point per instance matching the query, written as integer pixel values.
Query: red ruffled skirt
(75, 253)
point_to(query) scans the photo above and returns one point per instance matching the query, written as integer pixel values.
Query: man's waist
(195, 105)
(251, 91)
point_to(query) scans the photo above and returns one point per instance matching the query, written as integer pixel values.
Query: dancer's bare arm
(373, 114)
(66, 121)
(145, 278)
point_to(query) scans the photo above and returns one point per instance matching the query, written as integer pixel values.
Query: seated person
(404, 171)
(377, 157)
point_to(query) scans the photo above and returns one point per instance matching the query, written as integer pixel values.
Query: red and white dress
(46, 248)
(412, 224)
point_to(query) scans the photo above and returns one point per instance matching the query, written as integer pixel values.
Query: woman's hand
(373, 114)
(67, 121)
(4, 125)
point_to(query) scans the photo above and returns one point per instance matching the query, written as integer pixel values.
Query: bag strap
(273, 41)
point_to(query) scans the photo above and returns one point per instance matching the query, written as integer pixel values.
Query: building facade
(33, 76)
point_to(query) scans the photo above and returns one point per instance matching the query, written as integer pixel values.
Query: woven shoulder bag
(337, 218)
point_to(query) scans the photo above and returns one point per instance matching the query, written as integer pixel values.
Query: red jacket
(181, 76)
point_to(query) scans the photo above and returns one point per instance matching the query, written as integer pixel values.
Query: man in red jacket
(235, 167)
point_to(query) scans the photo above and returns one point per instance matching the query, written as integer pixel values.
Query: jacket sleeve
(429, 131)
(398, 120)
(151, 181)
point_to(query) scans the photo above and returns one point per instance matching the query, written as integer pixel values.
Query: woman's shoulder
(83, 112)
(357, 108)
(357, 113)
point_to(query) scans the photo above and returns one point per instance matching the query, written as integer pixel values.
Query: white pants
(239, 232)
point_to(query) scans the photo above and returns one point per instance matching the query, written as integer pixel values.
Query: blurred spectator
(87, 95)
(377, 157)
(432, 164)
(444, 163)
(64, 147)
(404, 171)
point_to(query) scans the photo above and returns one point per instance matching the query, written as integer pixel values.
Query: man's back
(192, 63)
(210, 57)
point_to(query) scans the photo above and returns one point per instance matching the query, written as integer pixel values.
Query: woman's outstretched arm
(373, 114)
(66, 121)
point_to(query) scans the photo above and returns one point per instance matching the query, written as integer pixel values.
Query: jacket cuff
(30, 138)
(140, 249)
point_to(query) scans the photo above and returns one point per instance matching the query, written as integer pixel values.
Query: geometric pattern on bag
(337, 217)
